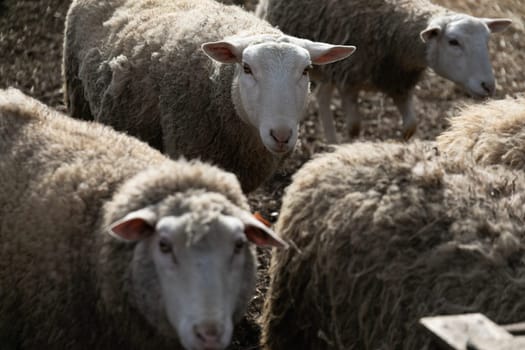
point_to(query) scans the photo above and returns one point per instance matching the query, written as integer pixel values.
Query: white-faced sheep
(397, 40)
(386, 234)
(108, 244)
(491, 133)
(139, 66)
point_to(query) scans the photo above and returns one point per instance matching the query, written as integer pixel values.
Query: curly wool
(486, 134)
(386, 234)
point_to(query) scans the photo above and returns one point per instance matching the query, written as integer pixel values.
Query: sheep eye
(239, 244)
(164, 246)
(453, 42)
(306, 70)
(246, 68)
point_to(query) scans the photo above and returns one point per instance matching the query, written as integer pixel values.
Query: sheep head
(271, 81)
(193, 269)
(457, 49)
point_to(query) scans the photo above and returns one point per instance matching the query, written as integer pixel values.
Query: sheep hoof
(409, 131)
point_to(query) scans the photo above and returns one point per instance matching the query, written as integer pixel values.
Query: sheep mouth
(478, 95)
(280, 150)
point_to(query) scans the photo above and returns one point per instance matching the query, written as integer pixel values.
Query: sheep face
(273, 87)
(271, 82)
(457, 49)
(193, 274)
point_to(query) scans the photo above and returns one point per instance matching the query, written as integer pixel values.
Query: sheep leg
(324, 97)
(74, 95)
(405, 106)
(351, 111)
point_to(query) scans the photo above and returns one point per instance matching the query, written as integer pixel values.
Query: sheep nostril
(281, 136)
(208, 333)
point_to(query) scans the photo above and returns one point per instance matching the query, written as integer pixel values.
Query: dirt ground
(31, 34)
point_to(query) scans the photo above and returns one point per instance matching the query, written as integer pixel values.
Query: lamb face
(457, 49)
(193, 273)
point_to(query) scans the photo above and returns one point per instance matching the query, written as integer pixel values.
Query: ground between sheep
(31, 34)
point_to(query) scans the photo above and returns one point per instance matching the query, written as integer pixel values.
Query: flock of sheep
(137, 234)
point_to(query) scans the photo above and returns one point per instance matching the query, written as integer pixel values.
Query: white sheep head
(194, 273)
(271, 81)
(457, 49)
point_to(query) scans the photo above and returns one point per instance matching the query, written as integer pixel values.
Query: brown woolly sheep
(491, 133)
(141, 66)
(397, 41)
(386, 234)
(107, 244)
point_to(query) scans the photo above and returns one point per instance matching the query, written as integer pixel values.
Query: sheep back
(143, 72)
(384, 235)
(489, 133)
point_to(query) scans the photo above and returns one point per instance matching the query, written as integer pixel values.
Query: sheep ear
(430, 33)
(259, 233)
(497, 25)
(322, 53)
(135, 226)
(224, 51)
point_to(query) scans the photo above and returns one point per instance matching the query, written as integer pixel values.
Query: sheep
(397, 40)
(491, 133)
(138, 66)
(108, 244)
(385, 234)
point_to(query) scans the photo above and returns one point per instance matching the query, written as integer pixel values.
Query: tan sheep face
(271, 82)
(457, 49)
(195, 272)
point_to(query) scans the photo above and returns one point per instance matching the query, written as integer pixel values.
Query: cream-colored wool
(486, 134)
(65, 283)
(385, 234)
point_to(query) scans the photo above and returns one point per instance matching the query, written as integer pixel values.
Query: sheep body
(386, 234)
(140, 68)
(489, 133)
(64, 281)
(392, 56)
